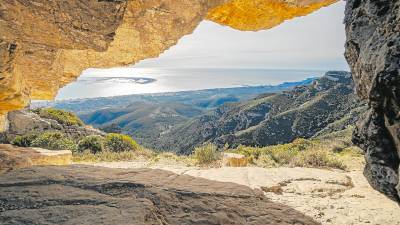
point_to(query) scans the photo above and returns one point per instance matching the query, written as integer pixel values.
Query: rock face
(373, 52)
(45, 45)
(22, 122)
(96, 195)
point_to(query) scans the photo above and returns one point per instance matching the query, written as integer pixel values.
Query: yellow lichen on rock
(257, 15)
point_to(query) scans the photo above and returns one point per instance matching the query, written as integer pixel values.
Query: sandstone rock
(96, 195)
(259, 15)
(331, 197)
(234, 160)
(12, 158)
(3, 122)
(372, 50)
(45, 45)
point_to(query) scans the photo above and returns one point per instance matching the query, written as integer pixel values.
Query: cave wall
(45, 45)
(373, 53)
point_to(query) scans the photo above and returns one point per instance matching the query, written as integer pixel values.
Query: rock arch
(46, 44)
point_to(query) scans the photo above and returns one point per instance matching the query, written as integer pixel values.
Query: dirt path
(329, 196)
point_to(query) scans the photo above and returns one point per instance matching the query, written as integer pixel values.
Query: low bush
(93, 143)
(54, 141)
(318, 158)
(24, 140)
(120, 143)
(206, 154)
(300, 152)
(61, 116)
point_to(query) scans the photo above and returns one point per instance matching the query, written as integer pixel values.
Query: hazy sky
(315, 41)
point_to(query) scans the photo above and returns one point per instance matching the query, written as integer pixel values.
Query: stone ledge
(79, 194)
(12, 157)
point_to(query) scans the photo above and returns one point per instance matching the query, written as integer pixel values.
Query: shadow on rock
(97, 195)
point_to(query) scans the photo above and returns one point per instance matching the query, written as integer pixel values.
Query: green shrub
(24, 140)
(206, 154)
(61, 116)
(120, 142)
(93, 143)
(54, 141)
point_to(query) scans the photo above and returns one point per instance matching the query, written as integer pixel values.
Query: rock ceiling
(45, 45)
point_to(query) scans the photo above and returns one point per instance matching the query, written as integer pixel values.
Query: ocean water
(125, 81)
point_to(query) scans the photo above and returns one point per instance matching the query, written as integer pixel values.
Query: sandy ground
(329, 196)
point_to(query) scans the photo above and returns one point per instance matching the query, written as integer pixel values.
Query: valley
(252, 116)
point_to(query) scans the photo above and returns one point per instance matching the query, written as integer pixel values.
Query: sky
(313, 42)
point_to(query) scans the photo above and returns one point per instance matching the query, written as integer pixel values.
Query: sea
(126, 81)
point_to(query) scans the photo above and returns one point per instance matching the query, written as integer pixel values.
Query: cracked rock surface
(96, 195)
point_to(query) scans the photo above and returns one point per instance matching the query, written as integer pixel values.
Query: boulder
(97, 195)
(12, 157)
(23, 122)
(234, 160)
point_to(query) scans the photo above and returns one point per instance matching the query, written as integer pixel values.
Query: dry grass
(172, 158)
(206, 154)
(330, 151)
(109, 156)
(140, 154)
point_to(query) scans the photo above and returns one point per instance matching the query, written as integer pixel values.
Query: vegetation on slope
(328, 105)
(334, 150)
(61, 116)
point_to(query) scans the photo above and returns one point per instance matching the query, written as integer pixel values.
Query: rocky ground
(328, 196)
(82, 194)
(166, 192)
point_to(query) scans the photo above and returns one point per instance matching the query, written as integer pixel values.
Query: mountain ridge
(274, 118)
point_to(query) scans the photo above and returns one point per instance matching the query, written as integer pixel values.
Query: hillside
(253, 116)
(327, 105)
(146, 117)
(204, 99)
(143, 120)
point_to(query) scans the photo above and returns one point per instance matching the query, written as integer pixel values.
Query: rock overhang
(46, 45)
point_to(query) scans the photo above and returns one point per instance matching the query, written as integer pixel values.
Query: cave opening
(290, 139)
